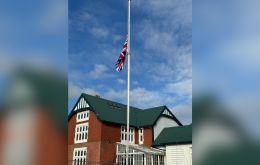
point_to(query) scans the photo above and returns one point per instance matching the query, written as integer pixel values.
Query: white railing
(138, 157)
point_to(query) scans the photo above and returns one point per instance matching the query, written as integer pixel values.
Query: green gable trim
(113, 112)
(174, 135)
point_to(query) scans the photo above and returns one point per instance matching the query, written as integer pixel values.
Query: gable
(161, 123)
(82, 103)
(167, 113)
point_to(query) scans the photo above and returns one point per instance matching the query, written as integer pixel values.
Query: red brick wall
(110, 135)
(94, 138)
(102, 138)
(94, 128)
(148, 136)
(136, 136)
(71, 129)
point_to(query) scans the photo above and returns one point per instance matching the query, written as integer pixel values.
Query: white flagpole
(128, 83)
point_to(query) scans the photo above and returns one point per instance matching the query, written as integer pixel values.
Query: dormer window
(124, 134)
(141, 136)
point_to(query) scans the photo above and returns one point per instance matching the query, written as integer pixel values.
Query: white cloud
(183, 87)
(85, 16)
(172, 32)
(99, 71)
(117, 38)
(135, 82)
(75, 91)
(145, 98)
(183, 112)
(174, 10)
(99, 32)
(113, 94)
(120, 81)
(140, 97)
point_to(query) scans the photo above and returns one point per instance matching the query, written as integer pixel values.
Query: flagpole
(128, 83)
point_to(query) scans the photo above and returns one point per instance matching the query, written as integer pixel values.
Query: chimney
(97, 96)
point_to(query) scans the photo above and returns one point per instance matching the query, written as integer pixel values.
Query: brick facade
(102, 138)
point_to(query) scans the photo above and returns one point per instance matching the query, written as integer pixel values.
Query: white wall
(163, 122)
(179, 154)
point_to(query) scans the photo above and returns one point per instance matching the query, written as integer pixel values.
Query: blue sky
(161, 46)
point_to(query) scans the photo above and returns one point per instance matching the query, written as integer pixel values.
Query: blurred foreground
(33, 85)
(226, 82)
(33, 123)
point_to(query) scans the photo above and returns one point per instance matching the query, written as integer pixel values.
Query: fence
(84, 162)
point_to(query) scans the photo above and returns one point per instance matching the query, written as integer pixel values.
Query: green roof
(109, 111)
(174, 135)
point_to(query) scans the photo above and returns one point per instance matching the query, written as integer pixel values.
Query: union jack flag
(121, 60)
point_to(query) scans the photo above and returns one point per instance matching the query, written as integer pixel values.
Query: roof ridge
(109, 100)
(155, 107)
(179, 127)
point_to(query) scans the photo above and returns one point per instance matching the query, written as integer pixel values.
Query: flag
(121, 60)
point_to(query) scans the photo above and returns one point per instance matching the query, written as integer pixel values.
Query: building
(33, 120)
(178, 144)
(97, 132)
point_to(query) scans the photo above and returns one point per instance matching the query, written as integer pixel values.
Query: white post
(128, 83)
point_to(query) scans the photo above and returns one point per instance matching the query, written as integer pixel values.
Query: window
(141, 136)
(81, 133)
(124, 134)
(80, 156)
(83, 116)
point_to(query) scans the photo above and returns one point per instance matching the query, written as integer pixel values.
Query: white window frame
(79, 154)
(83, 116)
(141, 135)
(81, 130)
(124, 134)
